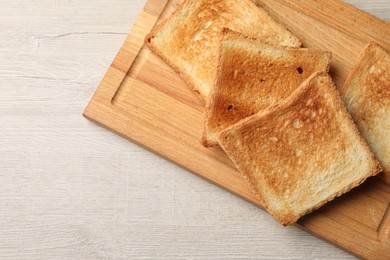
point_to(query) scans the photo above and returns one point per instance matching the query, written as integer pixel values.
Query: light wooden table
(72, 190)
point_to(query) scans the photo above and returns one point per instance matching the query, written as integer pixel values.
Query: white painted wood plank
(72, 190)
(379, 8)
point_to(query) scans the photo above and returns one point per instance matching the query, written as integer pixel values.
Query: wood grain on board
(143, 100)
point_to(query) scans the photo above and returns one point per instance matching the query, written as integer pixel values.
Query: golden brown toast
(188, 40)
(302, 153)
(251, 76)
(366, 94)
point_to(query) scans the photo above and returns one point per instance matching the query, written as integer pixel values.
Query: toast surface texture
(252, 76)
(302, 153)
(188, 40)
(366, 94)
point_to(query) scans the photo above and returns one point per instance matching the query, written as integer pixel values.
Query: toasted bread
(366, 94)
(251, 76)
(188, 40)
(301, 153)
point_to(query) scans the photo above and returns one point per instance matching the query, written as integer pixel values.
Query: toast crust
(188, 39)
(366, 93)
(184, 76)
(187, 78)
(251, 76)
(302, 153)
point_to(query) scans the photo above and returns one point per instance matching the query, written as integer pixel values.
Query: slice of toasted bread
(188, 40)
(366, 94)
(301, 153)
(252, 76)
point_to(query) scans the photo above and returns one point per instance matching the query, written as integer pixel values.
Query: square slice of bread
(302, 153)
(251, 76)
(366, 94)
(188, 40)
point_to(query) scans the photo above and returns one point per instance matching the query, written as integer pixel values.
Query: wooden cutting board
(143, 100)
